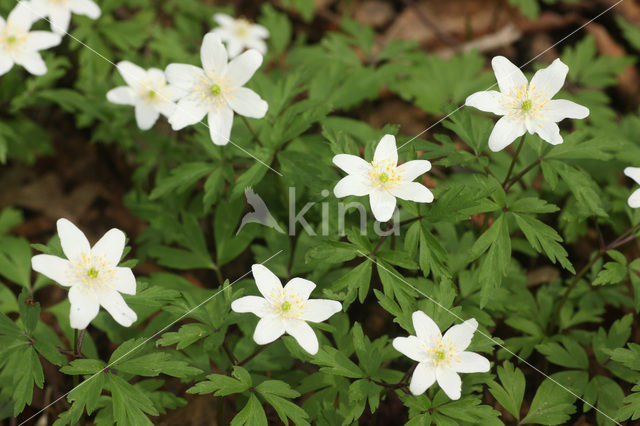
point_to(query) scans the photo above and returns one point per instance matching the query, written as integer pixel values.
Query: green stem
(246, 123)
(513, 162)
(622, 239)
(253, 355)
(519, 176)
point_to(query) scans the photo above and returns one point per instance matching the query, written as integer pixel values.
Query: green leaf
(29, 310)
(358, 279)
(552, 404)
(544, 238)
(252, 414)
(511, 393)
(83, 366)
(219, 385)
(158, 362)
(570, 354)
(129, 403)
(15, 260)
(180, 179)
(275, 392)
(337, 363)
(185, 336)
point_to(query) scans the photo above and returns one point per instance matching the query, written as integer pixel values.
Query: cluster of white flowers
(19, 45)
(215, 90)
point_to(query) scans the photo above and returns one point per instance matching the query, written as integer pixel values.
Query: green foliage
(506, 240)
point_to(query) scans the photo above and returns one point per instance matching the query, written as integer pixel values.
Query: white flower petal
(548, 81)
(411, 347)
(304, 335)
(258, 45)
(74, 243)
(509, 76)
(248, 103)
(52, 267)
(489, 101)
(116, 306)
(213, 54)
(259, 31)
(242, 68)
(146, 116)
(559, 109)
(166, 108)
(59, 19)
(183, 76)
(460, 335)
(412, 169)
(187, 112)
(84, 308)
(633, 173)
(132, 74)
(6, 62)
(85, 7)
(426, 329)
(3, 23)
(234, 46)
(267, 282)
(634, 199)
(386, 150)
(549, 131)
(423, 377)
(110, 247)
(39, 40)
(318, 310)
(351, 164)
(22, 16)
(449, 382)
(123, 95)
(254, 304)
(299, 288)
(504, 132)
(124, 281)
(173, 93)
(382, 204)
(412, 191)
(156, 74)
(32, 62)
(223, 19)
(470, 362)
(220, 122)
(268, 330)
(352, 185)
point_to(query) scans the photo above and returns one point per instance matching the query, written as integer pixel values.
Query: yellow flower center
(151, 94)
(385, 174)
(383, 178)
(215, 90)
(440, 355)
(11, 39)
(527, 105)
(286, 306)
(92, 273)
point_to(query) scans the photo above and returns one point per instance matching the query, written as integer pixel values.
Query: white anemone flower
(285, 309)
(383, 179)
(59, 12)
(634, 198)
(239, 34)
(20, 46)
(147, 91)
(216, 89)
(526, 107)
(440, 358)
(92, 275)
